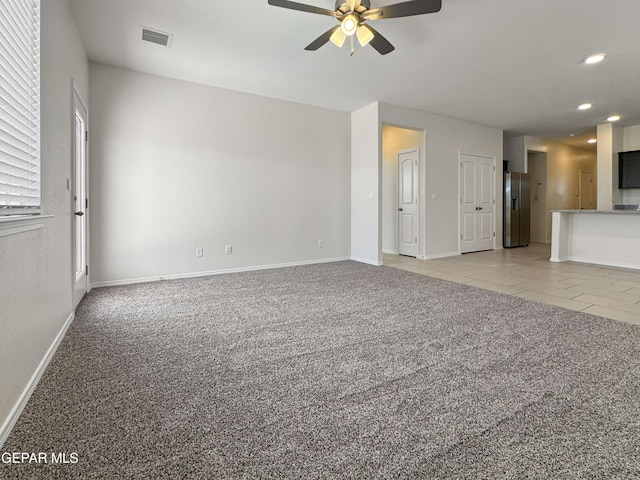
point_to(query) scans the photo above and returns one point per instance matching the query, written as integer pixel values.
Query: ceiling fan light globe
(349, 24)
(364, 35)
(338, 38)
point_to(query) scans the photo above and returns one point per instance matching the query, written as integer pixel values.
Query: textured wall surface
(35, 267)
(177, 166)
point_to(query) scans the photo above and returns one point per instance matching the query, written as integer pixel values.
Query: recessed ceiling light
(614, 118)
(592, 140)
(595, 58)
(585, 106)
(572, 134)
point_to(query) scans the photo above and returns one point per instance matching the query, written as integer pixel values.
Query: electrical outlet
(199, 252)
(320, 243)
(228, 250)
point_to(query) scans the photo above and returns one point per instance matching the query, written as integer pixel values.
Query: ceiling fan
(353, 15)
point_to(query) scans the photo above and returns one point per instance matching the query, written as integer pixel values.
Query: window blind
(19, 107)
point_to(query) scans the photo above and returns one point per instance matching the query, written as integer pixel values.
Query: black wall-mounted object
(629, 169)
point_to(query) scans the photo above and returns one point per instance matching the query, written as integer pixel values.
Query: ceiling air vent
(154, 36)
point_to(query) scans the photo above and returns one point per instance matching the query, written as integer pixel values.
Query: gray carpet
(338, 370)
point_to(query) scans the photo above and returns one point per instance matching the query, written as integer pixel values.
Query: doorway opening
(402, 191)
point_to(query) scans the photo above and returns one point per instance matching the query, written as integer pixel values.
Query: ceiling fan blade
(378, 42)
(303, 7)
(406, 9)
(322, 39)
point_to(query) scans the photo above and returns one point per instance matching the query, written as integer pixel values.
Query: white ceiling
(515, 65)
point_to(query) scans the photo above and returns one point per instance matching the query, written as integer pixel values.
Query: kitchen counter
(603, 237)
(604, 212)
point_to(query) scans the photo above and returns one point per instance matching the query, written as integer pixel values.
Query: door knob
(79, 213)
(478, 208)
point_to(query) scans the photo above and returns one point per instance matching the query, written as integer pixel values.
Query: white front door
(477, 203)
(80, 200)
(408, 217)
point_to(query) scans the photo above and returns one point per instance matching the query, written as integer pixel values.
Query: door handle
(401, 210)
(79, 213)
(478, 208)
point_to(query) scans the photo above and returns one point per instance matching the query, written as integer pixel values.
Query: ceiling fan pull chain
(352, 46)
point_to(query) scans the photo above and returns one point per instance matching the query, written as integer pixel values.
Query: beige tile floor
(527, 272)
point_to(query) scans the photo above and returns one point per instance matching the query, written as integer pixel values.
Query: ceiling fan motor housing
(342, 5)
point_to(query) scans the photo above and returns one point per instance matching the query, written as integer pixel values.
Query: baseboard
(17, 409)
(390, 252)
(571, 258)
(368, 262)
(441, 255)
(130, 281)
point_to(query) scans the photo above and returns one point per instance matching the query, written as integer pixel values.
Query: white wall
(177, 165)
(445, 139)
(609, 144)
(394, 140)
(515, 152)
(631, 138)
(366, 185)
(35, 279)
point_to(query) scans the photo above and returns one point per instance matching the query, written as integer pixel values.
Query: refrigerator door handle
(514, 205)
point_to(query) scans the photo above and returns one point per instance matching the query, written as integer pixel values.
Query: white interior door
(80, 199)
(477, 203)
(408, 208)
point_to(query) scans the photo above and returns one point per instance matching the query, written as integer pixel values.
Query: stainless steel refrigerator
(517, 210)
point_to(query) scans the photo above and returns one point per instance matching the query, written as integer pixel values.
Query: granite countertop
(617, 212)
